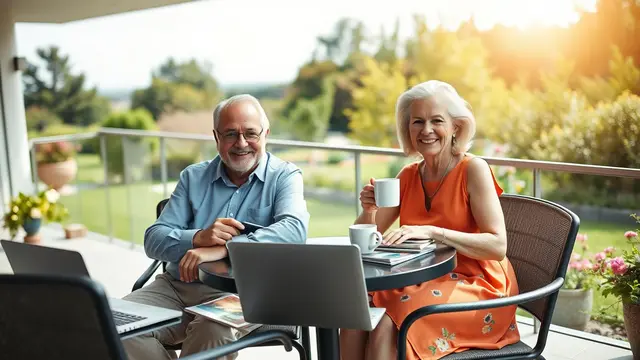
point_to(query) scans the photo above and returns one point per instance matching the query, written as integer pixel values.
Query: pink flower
(600, 256)
(609, 250)
(581, 237)
(575, 256)
(576, 265)
(596, 266)
(618, 266)
(586, 264)
(630, 234)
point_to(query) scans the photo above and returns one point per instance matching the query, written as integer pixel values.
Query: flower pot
(56, 175)
(631, 314)
(573, 308)
(32, 228)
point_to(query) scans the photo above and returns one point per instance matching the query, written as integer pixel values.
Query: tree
(310, 118)
(176, 86)
(61, 92)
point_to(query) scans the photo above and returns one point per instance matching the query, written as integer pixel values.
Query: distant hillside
(116, 94)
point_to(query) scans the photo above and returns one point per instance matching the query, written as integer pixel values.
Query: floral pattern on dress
(512, 327)
(488, 321)
(453, 276)
(442, 343)
(436, 293)
(404, 297)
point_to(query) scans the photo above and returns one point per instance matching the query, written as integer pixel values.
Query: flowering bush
(579, 274)
(58, 151)
(620, 275)
(42, 206)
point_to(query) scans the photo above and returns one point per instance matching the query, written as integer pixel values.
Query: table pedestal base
(328, 344)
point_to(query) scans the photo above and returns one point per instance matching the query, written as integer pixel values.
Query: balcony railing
(132, 153)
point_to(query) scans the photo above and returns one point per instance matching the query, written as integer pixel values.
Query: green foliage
(335, 158)
(39, 118)
(175, 86)
(138, 119)
(43, 205)
(372, 119)
(175, 164)
(310, 118)
(61, 92)
(620, 275)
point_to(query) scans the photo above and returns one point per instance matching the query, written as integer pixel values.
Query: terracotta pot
(56, 175)
(631, 314)
(573, 308)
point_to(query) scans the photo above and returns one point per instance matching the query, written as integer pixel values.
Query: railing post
(163, 168)
(356, 155)
(127, 179)
(537, 192)
(34, 167)
(537, 186)
(105, 168)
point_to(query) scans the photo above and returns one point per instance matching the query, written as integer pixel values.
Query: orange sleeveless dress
(438, 335)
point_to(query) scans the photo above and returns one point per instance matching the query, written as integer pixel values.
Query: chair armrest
(247, 341)
(536, 294)
(146, 275)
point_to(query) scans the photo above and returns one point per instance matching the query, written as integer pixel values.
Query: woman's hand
(368, 198)
(196, 256)
(406, 232)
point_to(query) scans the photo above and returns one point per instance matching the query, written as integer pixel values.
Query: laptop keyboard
(121, 318)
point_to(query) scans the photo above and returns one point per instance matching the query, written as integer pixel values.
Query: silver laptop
(302, 284)
(127, 315)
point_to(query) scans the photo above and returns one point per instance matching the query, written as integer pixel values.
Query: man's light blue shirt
(272, 197)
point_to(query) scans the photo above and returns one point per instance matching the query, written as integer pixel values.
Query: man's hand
(194, 257)
(221, 231)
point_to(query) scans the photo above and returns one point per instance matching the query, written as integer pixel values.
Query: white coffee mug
(365, 236)
(387, 192)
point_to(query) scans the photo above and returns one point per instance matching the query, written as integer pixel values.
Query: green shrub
(336, 158)
(138, 119)
(175, 164)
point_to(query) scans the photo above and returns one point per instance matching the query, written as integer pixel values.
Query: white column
(15, 165)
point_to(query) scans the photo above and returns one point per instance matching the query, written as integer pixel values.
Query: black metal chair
(540, 236)
(299, 335)
(56, 317)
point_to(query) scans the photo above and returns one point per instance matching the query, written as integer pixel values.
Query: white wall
(15, 166)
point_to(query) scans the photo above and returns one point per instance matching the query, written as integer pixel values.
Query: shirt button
(231, 214)
(237, 191)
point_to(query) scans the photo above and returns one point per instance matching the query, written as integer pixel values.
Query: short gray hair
(222, 105)
(458, 109)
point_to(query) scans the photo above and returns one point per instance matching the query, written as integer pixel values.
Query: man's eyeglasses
(232, 136)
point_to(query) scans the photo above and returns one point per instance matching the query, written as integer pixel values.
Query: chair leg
(301, 350)
(306, 342)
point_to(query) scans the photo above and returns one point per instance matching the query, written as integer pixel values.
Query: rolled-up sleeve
(169, 237)
(291, 218)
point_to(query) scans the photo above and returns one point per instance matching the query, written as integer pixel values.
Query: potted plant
(620, 277)
(575, 298)
(29, 211)
(56, 163)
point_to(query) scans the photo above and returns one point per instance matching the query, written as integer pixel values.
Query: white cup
(365, 236)
(387, 192)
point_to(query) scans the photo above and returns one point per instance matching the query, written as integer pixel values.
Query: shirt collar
(259, 171)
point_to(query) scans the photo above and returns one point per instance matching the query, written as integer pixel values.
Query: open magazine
(225, 310)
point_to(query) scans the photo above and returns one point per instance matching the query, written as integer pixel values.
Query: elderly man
(243, 183)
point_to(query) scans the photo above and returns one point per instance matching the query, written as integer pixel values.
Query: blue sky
(250, 41)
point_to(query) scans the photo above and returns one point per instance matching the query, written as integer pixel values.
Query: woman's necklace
(427, 198)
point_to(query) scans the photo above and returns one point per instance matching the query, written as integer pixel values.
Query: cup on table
(387, 192)
(365, 236)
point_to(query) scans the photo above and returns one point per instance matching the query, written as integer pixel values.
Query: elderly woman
(452, 197)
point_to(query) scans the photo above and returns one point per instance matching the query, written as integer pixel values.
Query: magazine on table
(413, 246)
(390, 257)
(225, 310)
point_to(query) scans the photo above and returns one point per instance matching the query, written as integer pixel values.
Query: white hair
(458, 109)
(222, 105)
